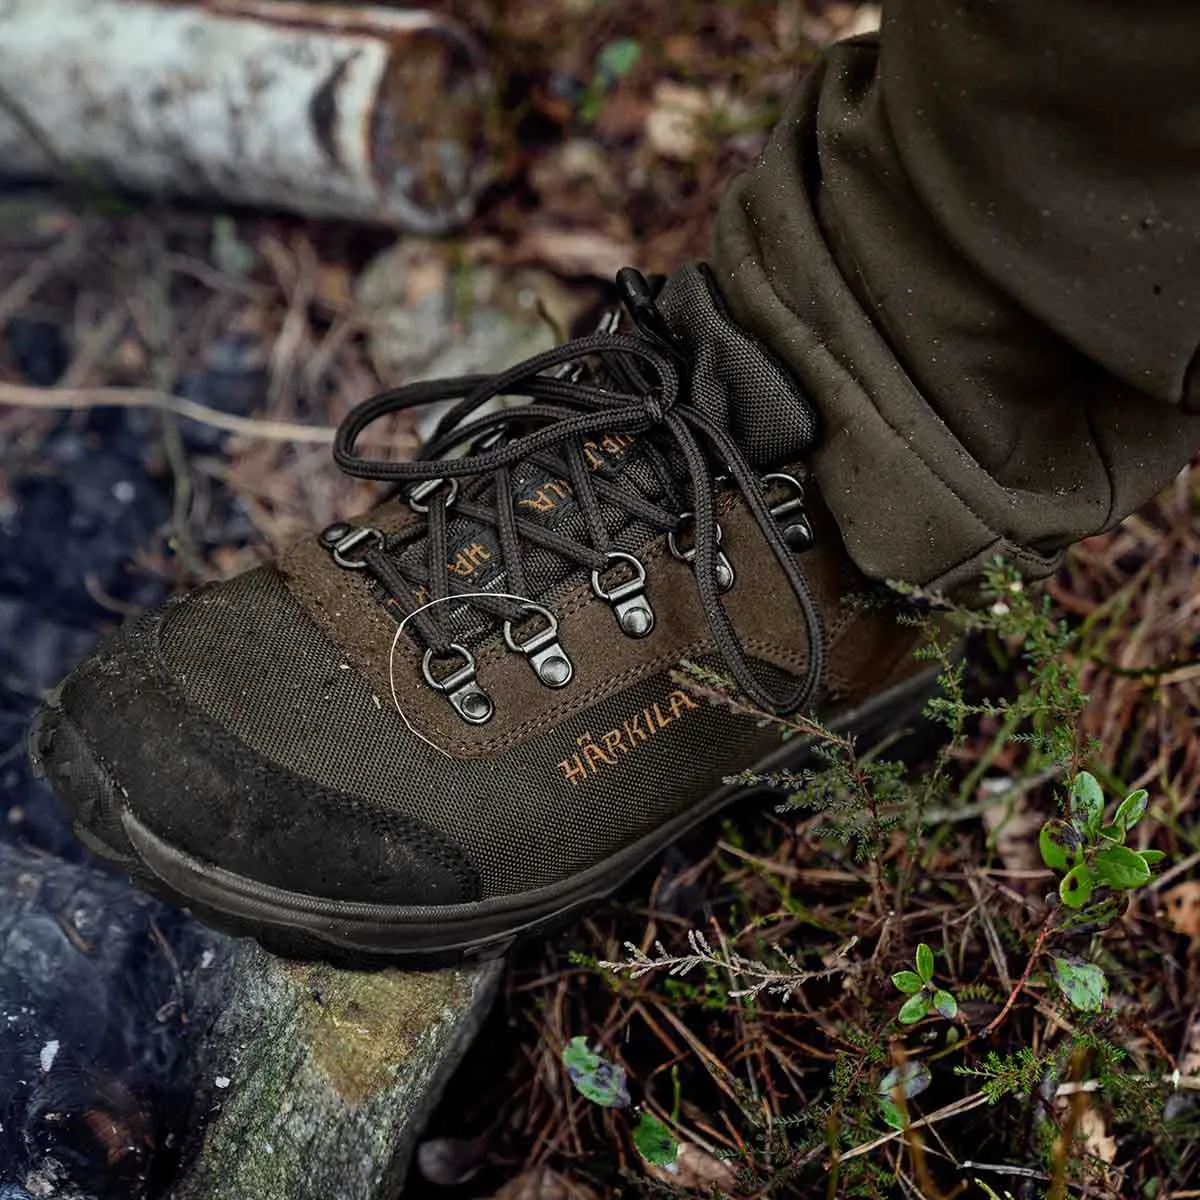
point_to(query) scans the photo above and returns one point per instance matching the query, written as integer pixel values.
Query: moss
(360, 1026)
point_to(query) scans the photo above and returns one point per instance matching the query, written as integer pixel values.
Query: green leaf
(1082, 983)
(597, 1079)
(1092, 917)
(914, 1008)
(1060, 844)
(945, 1004)
(1076, 887)
(909, 982)
(1120, 867)
(909, 1080)
(1152, 857)
(230, 253)
(1087, 802)
(1133, 808)
(618, 58)
(654, 1141)
(924, 963)
(1114, 833)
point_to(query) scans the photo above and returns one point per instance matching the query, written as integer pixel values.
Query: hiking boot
(463, 717)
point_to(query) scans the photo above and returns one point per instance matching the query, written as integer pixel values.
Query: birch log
(362, 113)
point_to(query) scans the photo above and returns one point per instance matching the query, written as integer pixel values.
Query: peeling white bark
(322, 109)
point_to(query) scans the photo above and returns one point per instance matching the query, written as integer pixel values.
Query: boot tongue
(734, 380)
(731, 379)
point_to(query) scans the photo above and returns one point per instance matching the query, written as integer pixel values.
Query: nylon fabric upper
(249, 658)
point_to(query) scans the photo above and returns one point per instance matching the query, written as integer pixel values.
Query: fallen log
(320, 1080)
(142, 1054)
(324, 109)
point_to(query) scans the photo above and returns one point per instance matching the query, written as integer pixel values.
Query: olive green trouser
(975, 240)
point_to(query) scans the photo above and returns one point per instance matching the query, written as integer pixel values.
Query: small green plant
(901, 1083)
(923, 996)
(1082, 983)
(1091, 854)
(600, 1081)
(606, 1083)
(654, 1141)
(614, 61)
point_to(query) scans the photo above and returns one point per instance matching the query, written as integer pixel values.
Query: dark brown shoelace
(647, 373)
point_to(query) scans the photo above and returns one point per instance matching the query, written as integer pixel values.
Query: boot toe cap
(122, 735)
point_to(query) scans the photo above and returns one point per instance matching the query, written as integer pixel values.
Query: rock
(145, 1055)
(38, 348)
(431, 320)
(69, 525)
(96, 988)
(233, 380)
(449, 1161)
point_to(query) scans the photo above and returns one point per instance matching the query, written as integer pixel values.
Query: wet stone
(38, 349)
(93, 1003)
(74, 518)
(232, 380)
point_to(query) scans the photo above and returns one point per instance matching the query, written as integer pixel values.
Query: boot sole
(296, 925)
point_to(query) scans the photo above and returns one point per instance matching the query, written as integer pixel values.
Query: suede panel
(864, 646)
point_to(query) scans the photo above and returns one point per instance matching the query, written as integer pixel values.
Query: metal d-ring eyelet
(349, 541)
(725, 575)
(628, 600)
(426, 489)
(545, 653)
(470, 701)
(790, 512)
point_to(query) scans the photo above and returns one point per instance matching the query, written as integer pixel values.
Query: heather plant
(860, 804)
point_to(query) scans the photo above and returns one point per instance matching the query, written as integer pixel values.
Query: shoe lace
(644, 374)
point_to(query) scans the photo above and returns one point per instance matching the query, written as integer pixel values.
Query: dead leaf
(1189, 1064)
(574, 252)
(696, 1169)
(334, 286)
(1095, 1137)
(573, 166)
(542, 1183)
(675, 125)
(1181, 909)
(1016, 833)
(1090, 1131)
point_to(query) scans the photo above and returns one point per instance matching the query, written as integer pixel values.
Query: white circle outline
(396, 641)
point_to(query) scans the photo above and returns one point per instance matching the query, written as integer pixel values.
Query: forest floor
(766, 1046)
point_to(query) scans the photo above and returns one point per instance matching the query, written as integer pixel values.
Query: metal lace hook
(628, 600)
(543, 649)
(462, 688)
(725, 573)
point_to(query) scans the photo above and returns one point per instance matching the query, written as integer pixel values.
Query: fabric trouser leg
(975, 240)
